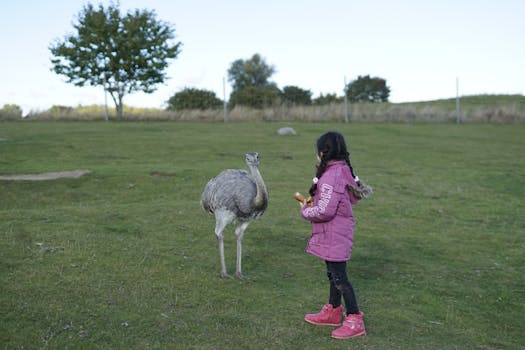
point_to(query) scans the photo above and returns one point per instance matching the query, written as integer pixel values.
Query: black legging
(340, 287)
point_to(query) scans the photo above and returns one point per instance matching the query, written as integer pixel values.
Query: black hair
(330, 146)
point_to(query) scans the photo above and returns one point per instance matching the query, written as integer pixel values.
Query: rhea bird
(235, 196)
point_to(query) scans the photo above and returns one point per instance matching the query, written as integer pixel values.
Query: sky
(421, 48)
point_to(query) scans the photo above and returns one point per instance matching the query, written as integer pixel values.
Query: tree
(294, 95)
(250, 82)
(366, 89)
(252, 72)
(122, 53)
(190, 98)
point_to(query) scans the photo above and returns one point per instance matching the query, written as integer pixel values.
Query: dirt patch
(46, 176)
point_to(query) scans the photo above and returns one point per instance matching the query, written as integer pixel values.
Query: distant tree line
(251, 87)
(129, 52)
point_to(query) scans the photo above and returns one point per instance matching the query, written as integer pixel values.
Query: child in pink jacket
(333, 233)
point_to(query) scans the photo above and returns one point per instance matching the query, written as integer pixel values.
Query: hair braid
(347, 160)
(321, 167)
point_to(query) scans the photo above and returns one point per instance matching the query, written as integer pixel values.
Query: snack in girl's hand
(300, 198)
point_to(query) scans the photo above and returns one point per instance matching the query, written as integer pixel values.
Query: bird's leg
(239, 232)
(219, 228)
(224, 273)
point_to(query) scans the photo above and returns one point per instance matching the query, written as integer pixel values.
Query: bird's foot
(224, 274)
(241, 276)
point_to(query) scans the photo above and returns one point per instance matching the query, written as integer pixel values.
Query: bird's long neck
(261, 197)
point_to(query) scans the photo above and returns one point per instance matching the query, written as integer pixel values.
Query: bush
(327, 99)
(293, 95)
(255, 97)
(10, 111)
(191, 98)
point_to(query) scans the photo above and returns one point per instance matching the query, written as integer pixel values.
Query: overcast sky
(419, 47)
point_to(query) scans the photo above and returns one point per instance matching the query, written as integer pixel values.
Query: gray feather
(233, 190)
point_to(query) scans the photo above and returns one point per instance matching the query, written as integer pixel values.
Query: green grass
(125, 258)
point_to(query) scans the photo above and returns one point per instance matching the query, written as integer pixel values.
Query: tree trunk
(117, 100)
(119, 111)
(120, 107)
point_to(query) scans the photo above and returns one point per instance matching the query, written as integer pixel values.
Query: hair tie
(315, 180)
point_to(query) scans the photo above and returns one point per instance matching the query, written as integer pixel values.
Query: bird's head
(252, 159)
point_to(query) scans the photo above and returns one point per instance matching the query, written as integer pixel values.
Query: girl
(333, 232)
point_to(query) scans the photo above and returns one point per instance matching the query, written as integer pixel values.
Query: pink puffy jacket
(331, 215)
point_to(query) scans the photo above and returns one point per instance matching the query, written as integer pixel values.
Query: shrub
(191, 98)
(10, 111)
(255, 97)
(327, 99)
(293, 95)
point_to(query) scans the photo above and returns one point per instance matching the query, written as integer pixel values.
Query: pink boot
(353, 326)
(327, 317)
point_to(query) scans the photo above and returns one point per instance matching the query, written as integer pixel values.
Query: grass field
(125, 258)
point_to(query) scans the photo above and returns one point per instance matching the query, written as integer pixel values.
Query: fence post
(458, 112)
(224, 99)
(347, 117)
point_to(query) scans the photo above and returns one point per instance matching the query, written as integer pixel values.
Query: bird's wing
(233, 190)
